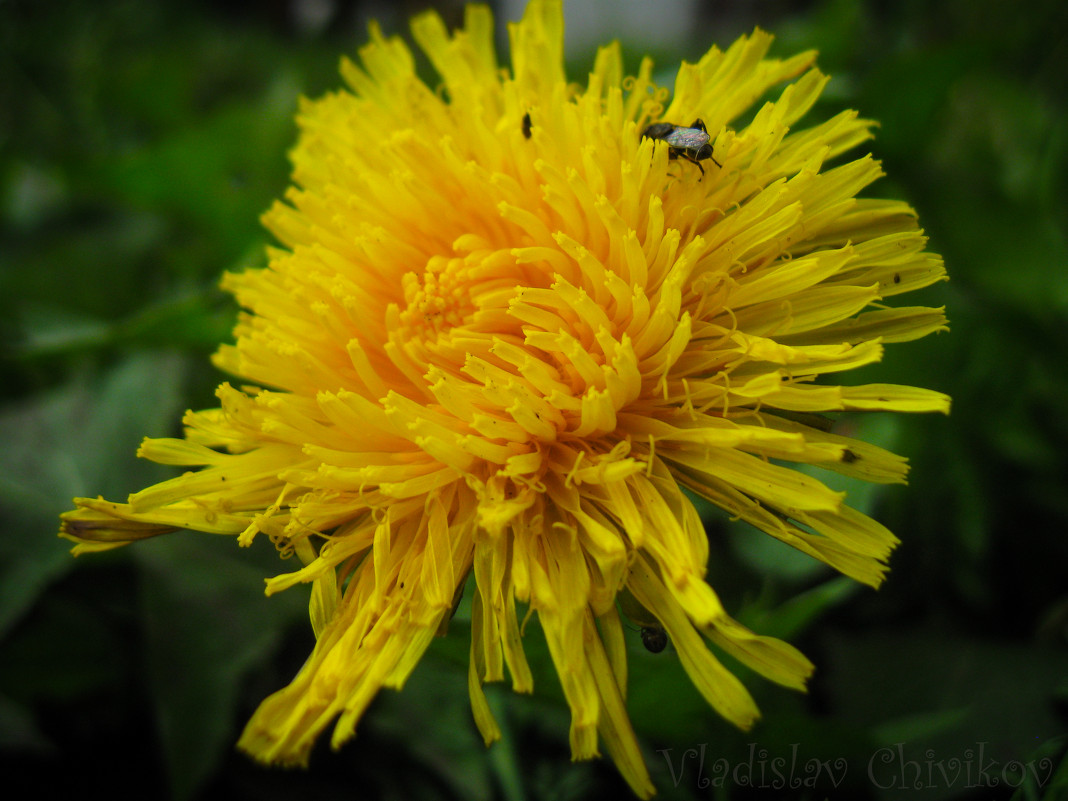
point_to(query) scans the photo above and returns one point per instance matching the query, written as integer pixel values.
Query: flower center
(437, 301)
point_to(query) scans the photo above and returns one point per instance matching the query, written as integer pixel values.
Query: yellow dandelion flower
(506, 330)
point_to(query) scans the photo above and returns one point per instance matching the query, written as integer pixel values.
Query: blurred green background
(139, 142)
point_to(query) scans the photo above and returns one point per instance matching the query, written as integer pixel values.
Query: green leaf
(75, 441)
(208, 625)
(945, 691)
(219, 173)
(431, 718)
(1043, 778)
(792, 618)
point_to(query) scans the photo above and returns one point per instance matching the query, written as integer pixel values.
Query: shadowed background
(139, 143)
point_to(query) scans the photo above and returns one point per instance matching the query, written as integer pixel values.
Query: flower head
(505, 330)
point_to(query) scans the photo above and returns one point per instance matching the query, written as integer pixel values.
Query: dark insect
(654, 639)
(693, 143)
(526, 125)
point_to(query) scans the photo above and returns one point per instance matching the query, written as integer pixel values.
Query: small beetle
(654, 638)
(526, 125)
(692, 144)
